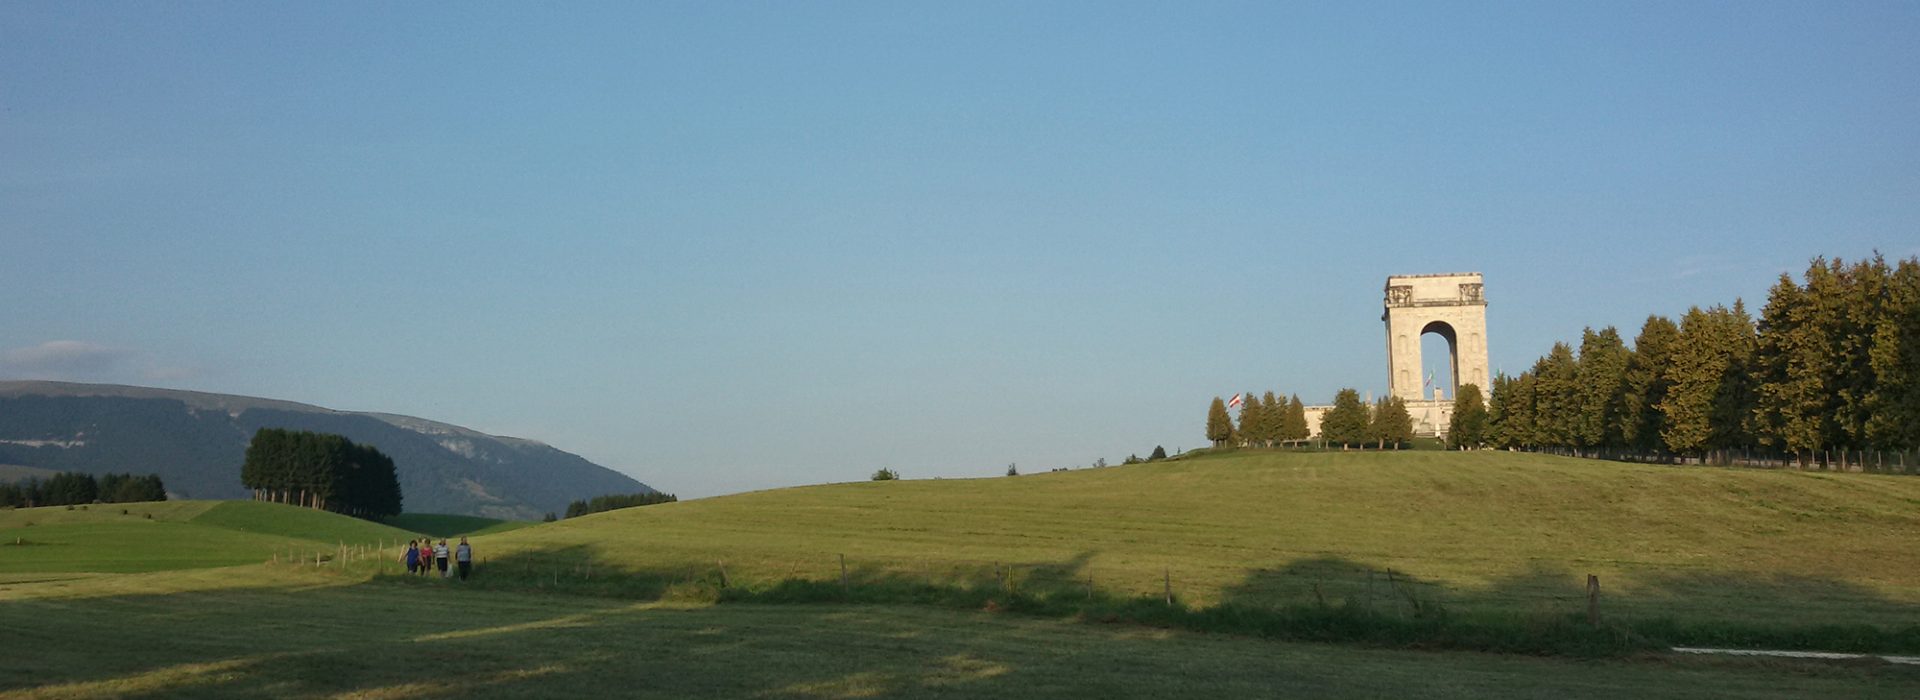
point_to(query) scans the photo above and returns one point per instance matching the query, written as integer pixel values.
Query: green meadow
(1487, 532)
(134, 537)
(1032, 586)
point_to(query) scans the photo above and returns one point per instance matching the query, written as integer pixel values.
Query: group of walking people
(424, 556)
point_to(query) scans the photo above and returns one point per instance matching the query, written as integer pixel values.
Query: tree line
(322, 471)
(76, 488)
(1265, 421)
(1269, 421)
(1833, 362)
(616, 501)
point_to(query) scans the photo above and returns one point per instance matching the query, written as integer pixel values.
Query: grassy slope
(442, 525)
(1480, 531)
(310, 636)
(179, 535)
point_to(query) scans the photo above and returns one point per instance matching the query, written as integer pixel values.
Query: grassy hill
(1501, 532)
(169, 535)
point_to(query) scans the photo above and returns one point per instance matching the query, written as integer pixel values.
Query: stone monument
(1452, 306)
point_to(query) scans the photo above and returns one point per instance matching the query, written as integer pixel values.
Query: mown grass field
(288, 632)
(1513, 533)
(106, 604)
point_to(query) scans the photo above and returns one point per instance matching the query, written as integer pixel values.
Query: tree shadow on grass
(655, 633)
(1542, 610)
(1551, 605)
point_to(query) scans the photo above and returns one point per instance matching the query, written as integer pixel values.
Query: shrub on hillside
(886, 475)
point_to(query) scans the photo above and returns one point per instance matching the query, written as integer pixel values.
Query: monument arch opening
(1439, 359)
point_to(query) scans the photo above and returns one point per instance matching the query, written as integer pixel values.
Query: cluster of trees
(616, 501)
(74, 488)
(1265, 421)
(1159, 453)
(322, 471)
(1351, 422)
(1832, 363)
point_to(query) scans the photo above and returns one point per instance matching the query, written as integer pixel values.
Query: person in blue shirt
(412, 557)
(463, 556)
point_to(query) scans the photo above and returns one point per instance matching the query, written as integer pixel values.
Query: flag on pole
(1429, 380)
(1235, 401)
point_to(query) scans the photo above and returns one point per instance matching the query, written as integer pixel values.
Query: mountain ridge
(196, 440)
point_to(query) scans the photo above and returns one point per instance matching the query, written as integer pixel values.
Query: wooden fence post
(1593, 600)
(723, 572)
(845, 588)
(1167, 581)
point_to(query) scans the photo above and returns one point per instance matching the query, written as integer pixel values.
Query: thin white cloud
(56, 359)
(83, 361)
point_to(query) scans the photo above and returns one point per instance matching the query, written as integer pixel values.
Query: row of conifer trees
(1267, 421)
(1833, 362)
(75, 488)
(319, 470)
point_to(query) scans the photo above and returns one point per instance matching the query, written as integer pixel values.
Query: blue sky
(729, 246)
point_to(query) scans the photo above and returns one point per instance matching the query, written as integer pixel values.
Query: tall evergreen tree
(1791, 365)
(1511, 414)
(1294, 428)
(1391, 424)
(1733, 418)
(1219, 424)
(1250, 419)
(1600, 377)
(1707, 405)
(1273, 416)
(1894, 412)
(1467, 429)
(1645, 384)
(1858, 308)
(1347, 422)
(1556, 397)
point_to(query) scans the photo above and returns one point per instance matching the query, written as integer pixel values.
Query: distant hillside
(196, 442)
